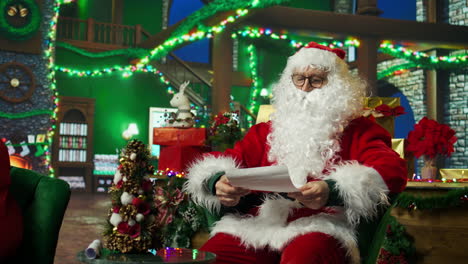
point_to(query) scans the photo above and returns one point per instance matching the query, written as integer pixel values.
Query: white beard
(307, 126)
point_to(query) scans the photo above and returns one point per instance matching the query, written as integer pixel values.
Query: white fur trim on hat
(361, 188)
(200, 172)
(310, 56)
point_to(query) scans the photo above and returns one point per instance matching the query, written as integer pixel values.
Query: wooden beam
(436, 81)
(367, 63)
(359, 26)
(368, 7)
(117, 11)
(222, 65)
(240, 79)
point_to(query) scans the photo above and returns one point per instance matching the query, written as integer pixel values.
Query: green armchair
(43, 201)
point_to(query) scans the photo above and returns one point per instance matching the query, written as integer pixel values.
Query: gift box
(179, 158)
(387, 122)
(398, 145)
(170, 136)
(458, 174)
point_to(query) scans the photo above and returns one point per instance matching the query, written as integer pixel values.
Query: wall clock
(17, 82)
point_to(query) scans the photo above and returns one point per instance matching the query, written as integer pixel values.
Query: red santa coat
(368, 171)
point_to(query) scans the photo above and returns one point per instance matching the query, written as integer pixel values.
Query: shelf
(72, 150)
(74, 164)
(435, 185)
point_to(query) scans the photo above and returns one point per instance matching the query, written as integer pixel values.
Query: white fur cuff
(361, 188)
(199, 173)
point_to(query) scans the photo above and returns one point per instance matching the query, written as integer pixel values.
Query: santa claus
(343, 164)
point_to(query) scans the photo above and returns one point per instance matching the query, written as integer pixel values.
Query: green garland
(130, 52)
(390, 70)
(216, 6)
(398, 247)
(452, 198)
(26, 114)
(424, 61)
(29, 29)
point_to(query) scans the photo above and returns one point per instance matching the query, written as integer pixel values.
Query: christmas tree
(131, 227)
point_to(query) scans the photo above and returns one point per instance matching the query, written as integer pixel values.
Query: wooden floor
(83, 222)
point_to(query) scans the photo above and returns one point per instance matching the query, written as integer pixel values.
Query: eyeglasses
(314, 81)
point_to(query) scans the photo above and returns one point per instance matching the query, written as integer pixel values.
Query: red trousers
(309, 248)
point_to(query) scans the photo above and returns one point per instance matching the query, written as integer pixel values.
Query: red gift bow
(167, 204)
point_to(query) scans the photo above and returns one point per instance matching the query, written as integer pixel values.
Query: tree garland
(130, 52)
(20, 33)
(452, 198)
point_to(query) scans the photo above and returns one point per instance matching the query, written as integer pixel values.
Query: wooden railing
(102, 35)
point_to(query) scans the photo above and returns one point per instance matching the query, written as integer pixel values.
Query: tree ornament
(115, 219)
(126, 198)
(117, 176)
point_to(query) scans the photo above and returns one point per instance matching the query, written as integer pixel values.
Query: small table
(165, 255)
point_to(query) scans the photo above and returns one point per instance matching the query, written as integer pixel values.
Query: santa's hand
(313, 195)
(227, 194)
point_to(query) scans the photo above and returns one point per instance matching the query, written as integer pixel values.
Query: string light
(422, 59)
(49, 57)
(169, 173)
(253, 61)
(170, 44)
(254, 32)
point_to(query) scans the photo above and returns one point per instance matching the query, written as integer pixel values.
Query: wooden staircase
(96, 36)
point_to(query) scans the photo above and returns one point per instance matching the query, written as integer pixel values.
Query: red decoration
(179, 158)
(389, 111)
(119, 184)
(168, 136)
(146, 185)
(132, 231)
(142, 206)
(116, 209)
(430, 138)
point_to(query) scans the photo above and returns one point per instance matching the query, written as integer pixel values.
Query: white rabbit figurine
(183, 116)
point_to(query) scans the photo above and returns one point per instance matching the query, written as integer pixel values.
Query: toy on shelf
(183, 118)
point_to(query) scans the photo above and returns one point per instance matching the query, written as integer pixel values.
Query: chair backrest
(371, 234)
(43, 201)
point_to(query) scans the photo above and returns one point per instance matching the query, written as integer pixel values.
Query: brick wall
(456, 93)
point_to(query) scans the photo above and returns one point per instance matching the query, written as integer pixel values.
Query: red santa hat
(339, 52)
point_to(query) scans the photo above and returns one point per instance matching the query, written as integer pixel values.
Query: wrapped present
(170, 136)
(458, 174)
(264, 113)
(384, 110)
(398, 145)
(178, 157)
